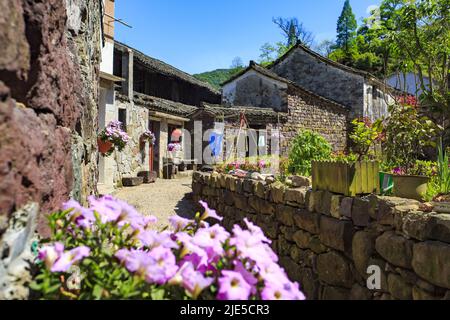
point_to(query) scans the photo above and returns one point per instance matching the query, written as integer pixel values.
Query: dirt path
(161, 199)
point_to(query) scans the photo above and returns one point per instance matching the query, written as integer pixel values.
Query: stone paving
(162, 199)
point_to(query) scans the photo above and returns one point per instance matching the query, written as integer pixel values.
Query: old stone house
(150, 95)
(299, 108)
(358, 90)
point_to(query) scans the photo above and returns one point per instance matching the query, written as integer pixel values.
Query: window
(123, 118)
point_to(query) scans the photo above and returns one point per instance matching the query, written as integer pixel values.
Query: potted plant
(148, 136)
(408, 134)
(356, 172)
(439, 188)
(112, 137)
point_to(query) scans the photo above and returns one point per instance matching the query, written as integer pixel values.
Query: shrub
(110, 251)
(308, 146)
(407, 135)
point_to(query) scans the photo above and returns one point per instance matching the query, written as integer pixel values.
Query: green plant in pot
(408, 134)
(438, 189)
(355, 172)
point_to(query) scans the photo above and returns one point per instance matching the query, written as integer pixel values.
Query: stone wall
(135, 156)
(326, 242)
(307, 111)
(48, 106)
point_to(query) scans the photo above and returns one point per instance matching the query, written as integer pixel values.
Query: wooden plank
(364, 177)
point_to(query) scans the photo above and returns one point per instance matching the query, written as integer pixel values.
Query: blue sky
(203, 35)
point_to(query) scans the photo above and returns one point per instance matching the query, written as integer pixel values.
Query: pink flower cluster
(114, 133)
(58, 260)
(194, 255)
(150, 136)
(174, 146)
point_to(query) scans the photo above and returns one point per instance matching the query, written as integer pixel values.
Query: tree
(294, 31)
(270, 53)
(237, 63)
(325, 48)
(419, 31)
(346, 28)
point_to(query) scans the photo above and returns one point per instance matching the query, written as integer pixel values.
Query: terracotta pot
(410, 187)
(104, 146)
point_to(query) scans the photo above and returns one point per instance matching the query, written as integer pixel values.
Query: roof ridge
(191, 77)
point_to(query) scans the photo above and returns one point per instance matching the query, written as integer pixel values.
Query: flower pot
(410, 187)
(104, 146)
(350, 179)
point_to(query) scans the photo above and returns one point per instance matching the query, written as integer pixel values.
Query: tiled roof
(165, 68)
(160, 105)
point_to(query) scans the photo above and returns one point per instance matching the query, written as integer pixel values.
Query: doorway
(154, 151)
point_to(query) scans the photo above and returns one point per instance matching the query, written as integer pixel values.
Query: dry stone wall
(327, 241)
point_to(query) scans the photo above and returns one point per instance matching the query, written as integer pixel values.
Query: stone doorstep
(132, 181)
(148, 176)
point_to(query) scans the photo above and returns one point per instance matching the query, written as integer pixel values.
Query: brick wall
(326, 241)
(307, 111)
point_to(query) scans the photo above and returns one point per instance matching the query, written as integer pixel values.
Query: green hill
(216, 77)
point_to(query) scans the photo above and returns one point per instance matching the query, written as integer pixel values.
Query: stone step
(184, 174)
(132, 181)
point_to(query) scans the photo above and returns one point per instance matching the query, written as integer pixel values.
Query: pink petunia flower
(209, 213)
(232, 286)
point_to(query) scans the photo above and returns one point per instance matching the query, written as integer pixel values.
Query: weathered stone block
(360, 212)
(302, 239)
(249, 185)
(359, 292)
(363, 247)
(335, 206)
(267, 207)
(260, 189)
(335, 293)
(431, 261)
(333, 268)
(316, 245)
(395, 249)
(269, 225)
(228, 198)
(288, 232)
(197, 188)
(336, 234)
(240, 201)
(346, 207)
(295, 196)
(438, 228)
(309, 283)
(132, 181)
(415, 225)
(307, 221)
(419, 294)
(222, 181)
(285, 214)
(299, 181)
(324, 206)
(399, 288)
(277, 192)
